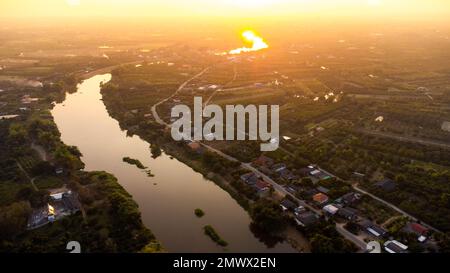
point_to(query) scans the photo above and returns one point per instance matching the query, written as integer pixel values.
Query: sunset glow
(256, 41)
(228, 8)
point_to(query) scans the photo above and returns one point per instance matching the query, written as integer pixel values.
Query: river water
(167, 200)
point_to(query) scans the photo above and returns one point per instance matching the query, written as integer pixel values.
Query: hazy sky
(222, 7)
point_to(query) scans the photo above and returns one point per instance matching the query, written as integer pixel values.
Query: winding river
(167, 200)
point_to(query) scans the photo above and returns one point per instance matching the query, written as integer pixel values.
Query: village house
(299, 210)
(349, 214)
(250, 178)
(420, 231)
(318, 174)
(320, 198)
(306, 219)
(330, 210)
(287, 204)
(287, 175)
(349, 198)
(373, 229)
(395, 247)
(61, 204)
(262, 188)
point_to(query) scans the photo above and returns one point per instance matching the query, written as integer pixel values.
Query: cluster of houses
(261, 187)
(342, 208)
(303, 216)
(61, 204)
(267, 166)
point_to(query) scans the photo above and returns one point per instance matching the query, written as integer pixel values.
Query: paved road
(26, 174)
(351, 237)
(221, 89)
(277, 187)
(155, 113)
(392, 206)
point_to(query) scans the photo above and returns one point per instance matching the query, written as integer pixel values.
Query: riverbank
(108, 220)
(229, 171)
(172, 192)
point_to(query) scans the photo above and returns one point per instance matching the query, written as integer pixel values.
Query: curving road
(183, 85)
(277, 187)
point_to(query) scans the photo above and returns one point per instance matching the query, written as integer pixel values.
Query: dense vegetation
(199, 213)
(109, 220)
(135, 162)
(211, 232)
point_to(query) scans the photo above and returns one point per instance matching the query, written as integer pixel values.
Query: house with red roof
(320, 198)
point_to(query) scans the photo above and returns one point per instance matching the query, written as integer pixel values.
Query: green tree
(17, 134)
(13, 219)
(267, 215)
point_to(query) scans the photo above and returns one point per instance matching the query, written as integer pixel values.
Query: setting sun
(206, 129)
(256, 41)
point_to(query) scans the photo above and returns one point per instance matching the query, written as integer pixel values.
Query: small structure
(287, 204)
(287, 175)
(50, 213)
(321, 175)
(299, 210)
(349, 198)
(278, 167)
(395, 247)
(417, 229)
(320, 198)
(59, 170)
(348, 213)
(323, 189)
(250, 178)
(61, 204)
(330, 209)
(306, 219)
(373, 229)
(262, 188)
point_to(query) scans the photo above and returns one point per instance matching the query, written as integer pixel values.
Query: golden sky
(224, 8)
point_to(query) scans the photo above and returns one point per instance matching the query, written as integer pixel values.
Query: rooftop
(320, 198)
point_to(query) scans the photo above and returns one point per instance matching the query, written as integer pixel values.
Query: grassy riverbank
(222, 172)
(109, 219)
(212, 233)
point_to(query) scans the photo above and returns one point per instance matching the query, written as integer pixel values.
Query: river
(167, 200)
